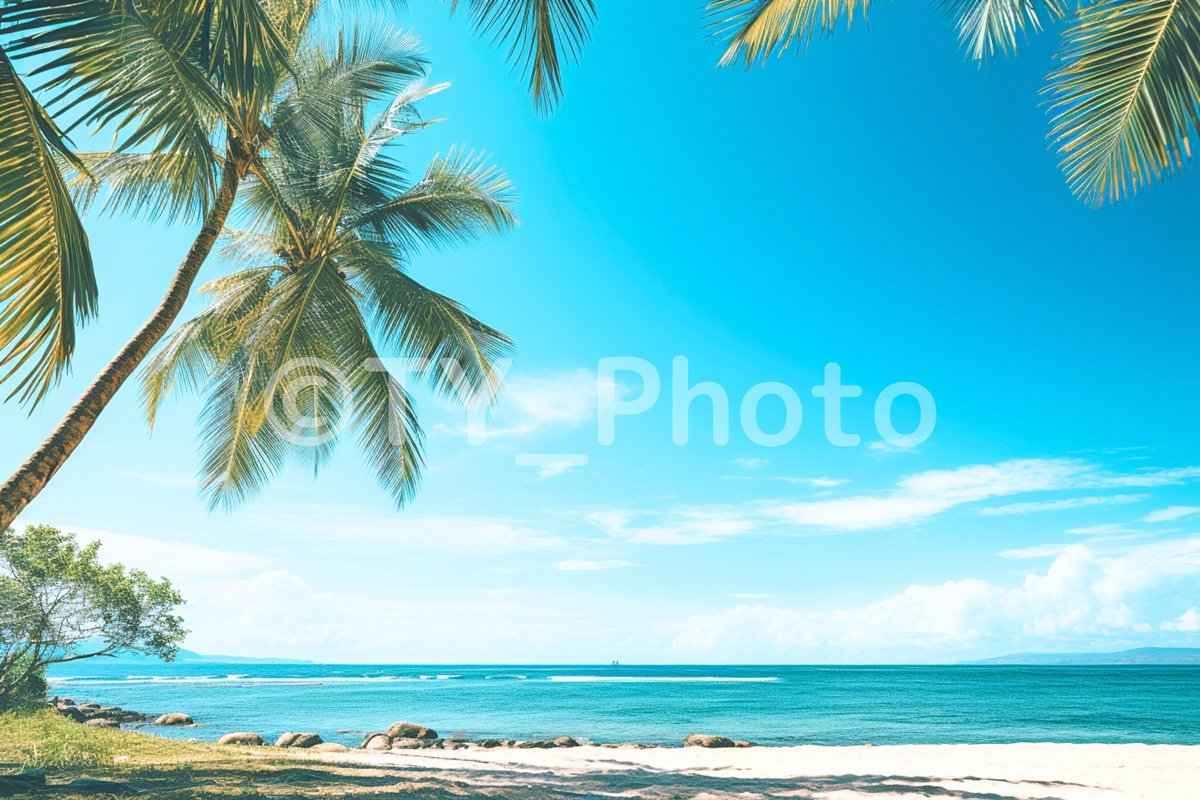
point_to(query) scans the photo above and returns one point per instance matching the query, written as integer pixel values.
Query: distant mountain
(188, 656)
(1141, 655)
(192, 657)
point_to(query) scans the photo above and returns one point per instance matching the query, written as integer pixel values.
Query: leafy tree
(1125, 96)
(189, 88)
(59, 604)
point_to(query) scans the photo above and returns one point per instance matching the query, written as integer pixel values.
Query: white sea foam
(654, 679)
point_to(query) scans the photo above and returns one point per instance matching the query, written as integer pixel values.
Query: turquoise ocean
(775, 705)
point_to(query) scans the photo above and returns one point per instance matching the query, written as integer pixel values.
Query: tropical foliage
(292, 349)
(1125, 96)
(192, 92)
(58, 603)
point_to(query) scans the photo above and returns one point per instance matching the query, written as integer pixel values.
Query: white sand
(963, 772)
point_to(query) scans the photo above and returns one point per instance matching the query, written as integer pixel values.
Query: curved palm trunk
(39, 468)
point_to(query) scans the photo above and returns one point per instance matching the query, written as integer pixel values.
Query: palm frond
(1126, 99)
(365, 65)
(460, 197)
(542, 36)
(989, 28)
(461, 352)
(188, 357)
(148, 185)
(238, 458)
(110, 65)
(357, 174)
(758, 29)
(389, 433)
(47, 283)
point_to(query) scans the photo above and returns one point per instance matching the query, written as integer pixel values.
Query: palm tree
(188, 86)
(1125, 97)
(289, 350)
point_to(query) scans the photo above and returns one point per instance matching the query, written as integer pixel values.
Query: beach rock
(330, 747)
(409, 743)
(71, 713)
(377, 741)
(173, 719)
(101, 722)
(490, 743)
(743, 743)
(705, 740)
(245, 739)
(565, 741)
(298, 740)
(410, 730)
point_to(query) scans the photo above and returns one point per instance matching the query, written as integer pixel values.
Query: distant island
(1142, 655)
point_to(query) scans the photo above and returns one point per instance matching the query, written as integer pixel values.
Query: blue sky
(879, 204)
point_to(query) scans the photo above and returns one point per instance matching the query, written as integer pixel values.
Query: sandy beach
(966, 772)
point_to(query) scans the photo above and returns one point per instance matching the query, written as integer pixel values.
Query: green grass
(46, 739)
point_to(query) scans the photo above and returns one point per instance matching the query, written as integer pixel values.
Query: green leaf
(1126, 98)
(542, 35)
(758, 29)
(47, 283)
(988, 28)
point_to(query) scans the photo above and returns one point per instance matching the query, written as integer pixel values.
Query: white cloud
(170, 558)
(580, 565)
(816, 483)
(462, 535)
(1036, 551)
(531, 405)
(552, 469)
(1080, 595)
(914, 499)
(883, 449)
(1171, 513)
(1188, 622)
(751, 463)
(1062, 505)
(680, 527)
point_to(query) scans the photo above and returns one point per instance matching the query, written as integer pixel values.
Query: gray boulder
(173, 719)
(410, 730)
(244, 739)
(102, 722)
(298, 740)
(409, 743)
(705, 740)
(71, 713)
(377, 741)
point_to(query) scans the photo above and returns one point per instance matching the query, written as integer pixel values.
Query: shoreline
(1026, 771)
(71, 754)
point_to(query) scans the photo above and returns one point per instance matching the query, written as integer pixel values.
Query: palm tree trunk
(39, 468)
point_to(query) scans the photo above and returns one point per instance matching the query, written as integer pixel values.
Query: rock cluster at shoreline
(96, 715)
(411, 736)
(398, 736)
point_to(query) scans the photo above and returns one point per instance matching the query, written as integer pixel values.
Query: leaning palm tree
(1125, 97)
(187, 87)
(293, 348)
